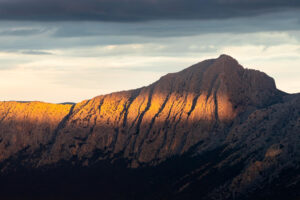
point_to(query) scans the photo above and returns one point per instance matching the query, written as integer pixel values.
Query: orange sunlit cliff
(144, 124)
(200, 108)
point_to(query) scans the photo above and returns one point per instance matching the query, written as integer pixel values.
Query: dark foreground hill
(212, 131)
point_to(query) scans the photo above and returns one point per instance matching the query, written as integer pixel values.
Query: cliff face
(167, 118)
(28, 125)
(216, 109)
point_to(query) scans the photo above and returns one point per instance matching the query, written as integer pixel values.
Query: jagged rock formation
(236, 132)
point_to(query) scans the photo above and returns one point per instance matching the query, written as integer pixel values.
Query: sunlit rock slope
(226, 129)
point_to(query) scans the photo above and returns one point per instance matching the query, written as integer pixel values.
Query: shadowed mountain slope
(212, 131)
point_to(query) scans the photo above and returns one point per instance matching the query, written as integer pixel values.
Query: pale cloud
(54, 67)
(282, 62)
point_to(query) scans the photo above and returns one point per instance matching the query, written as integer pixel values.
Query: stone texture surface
(28, 125)
(168, 117)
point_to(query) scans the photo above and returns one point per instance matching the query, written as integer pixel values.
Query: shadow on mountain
(212, 131)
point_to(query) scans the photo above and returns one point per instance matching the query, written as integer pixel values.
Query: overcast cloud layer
(61, 51)
(138, 10)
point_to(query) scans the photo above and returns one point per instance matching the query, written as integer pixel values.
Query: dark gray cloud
(137, 10)
(280, 21)
(61, 35)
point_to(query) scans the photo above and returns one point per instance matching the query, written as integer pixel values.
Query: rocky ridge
(215, 107)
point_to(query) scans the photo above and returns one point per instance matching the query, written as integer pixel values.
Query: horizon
(69, 51)
(70, 102)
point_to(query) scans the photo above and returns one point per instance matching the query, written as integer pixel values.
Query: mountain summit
(212, 131)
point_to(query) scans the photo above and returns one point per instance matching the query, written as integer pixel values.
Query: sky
(68, 51)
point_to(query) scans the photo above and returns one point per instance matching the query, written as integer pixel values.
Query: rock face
(221, 127)
(28, 125)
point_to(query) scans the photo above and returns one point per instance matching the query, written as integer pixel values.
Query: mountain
(212, 131)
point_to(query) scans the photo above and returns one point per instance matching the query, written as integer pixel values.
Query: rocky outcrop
(261, 154)
(215, 115)
(27, 126)
(168, 117)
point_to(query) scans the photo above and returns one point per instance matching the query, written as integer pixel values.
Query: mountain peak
(225, 75)
(224, 64)
(133, 123)
(228, 61)
(213, 122)
(225, 56)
